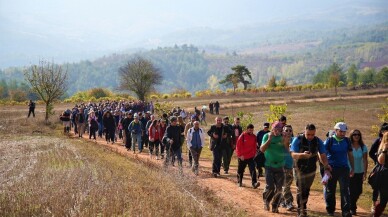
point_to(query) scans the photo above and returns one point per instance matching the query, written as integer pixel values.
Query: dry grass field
(44, 173)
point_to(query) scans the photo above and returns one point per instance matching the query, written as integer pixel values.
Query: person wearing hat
(136, 129)
(339, 154)
(172, 139)
(260, 158)
(273, 149)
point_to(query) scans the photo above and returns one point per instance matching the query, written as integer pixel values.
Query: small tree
(334, 81)
(139, 76)
(275, 111)
(49, 81)
(272, 82)
(283, 82)
(231, 79)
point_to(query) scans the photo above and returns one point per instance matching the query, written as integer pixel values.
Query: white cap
(135, 115)
(341, 126)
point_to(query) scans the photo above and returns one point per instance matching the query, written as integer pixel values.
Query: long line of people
(275, 153)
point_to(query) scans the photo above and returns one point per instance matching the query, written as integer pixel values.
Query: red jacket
(246, 145)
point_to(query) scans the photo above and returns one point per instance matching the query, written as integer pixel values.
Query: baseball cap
(135, 115)
(266, 125)
(173, 118)
(341, 126)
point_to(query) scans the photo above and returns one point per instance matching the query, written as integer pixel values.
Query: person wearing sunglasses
(287, 198)
(360, 155)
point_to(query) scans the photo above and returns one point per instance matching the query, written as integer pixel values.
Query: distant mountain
(24, 41)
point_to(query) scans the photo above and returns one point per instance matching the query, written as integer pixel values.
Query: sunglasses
(356, 134)
(288, 131)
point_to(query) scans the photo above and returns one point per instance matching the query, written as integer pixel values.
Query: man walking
(218, 134)
(195, 142)
(135, 127)
(228, 149)
(246, 151)
(172, 138)
(31, 109)
(305, 149)
(260, 158)
(339, 153)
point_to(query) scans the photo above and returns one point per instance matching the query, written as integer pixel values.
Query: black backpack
(307, 165)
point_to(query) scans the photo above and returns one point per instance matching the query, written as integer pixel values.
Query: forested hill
(297, 59)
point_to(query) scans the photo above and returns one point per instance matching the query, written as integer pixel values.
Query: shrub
(187, 95)
(165, 96)
(275, 111)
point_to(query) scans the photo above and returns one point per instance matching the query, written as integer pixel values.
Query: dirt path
(225, 187)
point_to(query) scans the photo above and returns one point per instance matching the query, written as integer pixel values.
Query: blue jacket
(135, 128)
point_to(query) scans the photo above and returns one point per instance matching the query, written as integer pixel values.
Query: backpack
(376, 176)
(307, 165)
(330, 144)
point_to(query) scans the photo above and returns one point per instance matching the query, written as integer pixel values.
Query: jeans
(226, 157)
(195, 152)
(190, 158)
(274, 178)
(242, 164)
(154, 145)
(100, 128)
(303, 185)
(355, 188)
(288, 178)
(342, 176)
(136, 138)
(217, 155)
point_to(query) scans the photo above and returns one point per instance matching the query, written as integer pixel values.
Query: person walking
(246, 151)
(153, 137)
(373, 155)
(187, 127)
(382, 159)
(65, 118)
(260, 158)
(195, 142)
(360, 155)
(93, 125)
(110, 127)
(31, 109)
(227, 151)
(306, 149)
(135, 127)
(287, 198)
(172, 139)
(339, 152)
(80, 120)
(217, 107)
(127, 134)
(218, 141)
(203, 116)
(273, 149)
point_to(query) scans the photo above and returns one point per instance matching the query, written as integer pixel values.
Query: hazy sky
(148, 15)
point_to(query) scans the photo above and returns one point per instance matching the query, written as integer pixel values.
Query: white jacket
(190, 136)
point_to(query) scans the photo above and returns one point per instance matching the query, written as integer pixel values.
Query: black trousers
(31, 110)
(242, 164)
(355, 189)
(110, 135)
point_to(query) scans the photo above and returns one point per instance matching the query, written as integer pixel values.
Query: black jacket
(173, 133)
(219, 143)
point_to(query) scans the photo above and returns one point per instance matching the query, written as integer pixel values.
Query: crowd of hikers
(274, 152)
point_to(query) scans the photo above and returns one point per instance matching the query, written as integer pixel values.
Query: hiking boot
(290, 207)
(275, 209)
(346, 214)
(226, 172)
(196, 172)
(330, 213)
(239, 184)
(266, 206)
(353, 212)
(256, 185)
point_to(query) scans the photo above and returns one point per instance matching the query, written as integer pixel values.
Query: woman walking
(110, 126)
(360, 155)
(93, 125)
(153, 137)
(382, 158)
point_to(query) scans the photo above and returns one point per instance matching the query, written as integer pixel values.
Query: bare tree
(49, 81)
(139, 76)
